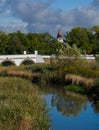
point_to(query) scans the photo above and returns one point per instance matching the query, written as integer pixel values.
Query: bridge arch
(27, 61)
(7, 62)
(21, 59)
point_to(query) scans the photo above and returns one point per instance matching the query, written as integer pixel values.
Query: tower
(59, 36)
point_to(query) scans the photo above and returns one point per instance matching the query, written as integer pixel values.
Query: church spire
(59, 36)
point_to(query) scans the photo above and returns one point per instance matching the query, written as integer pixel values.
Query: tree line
(87, 40)
(17, 42)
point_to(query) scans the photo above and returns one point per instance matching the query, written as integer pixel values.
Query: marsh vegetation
(21, 107)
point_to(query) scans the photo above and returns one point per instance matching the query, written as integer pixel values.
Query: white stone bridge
(21, 59)
(32, 59)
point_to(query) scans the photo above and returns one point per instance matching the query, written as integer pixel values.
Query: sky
(47, 15)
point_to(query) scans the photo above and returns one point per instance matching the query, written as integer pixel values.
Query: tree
(3, 42)
(43, 42)
(15, 45)
(95, 31)
(82, 38)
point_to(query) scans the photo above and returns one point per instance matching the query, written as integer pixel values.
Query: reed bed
(80, 80)
(76, 72)
(19, 72)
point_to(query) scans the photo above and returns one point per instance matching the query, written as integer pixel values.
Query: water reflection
(68, 106)
(96, 107)
(70, 111)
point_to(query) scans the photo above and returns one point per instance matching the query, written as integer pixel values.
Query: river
(70, 111)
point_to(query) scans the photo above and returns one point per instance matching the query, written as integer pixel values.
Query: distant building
(59, 36)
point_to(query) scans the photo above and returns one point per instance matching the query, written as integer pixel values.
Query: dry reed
(79, 80)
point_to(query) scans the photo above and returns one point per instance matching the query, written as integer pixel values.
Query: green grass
(21, 107)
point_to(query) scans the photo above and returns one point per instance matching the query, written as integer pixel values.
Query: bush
(75, 88)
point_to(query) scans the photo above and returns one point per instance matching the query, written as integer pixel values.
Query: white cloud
(40, 16)
(13, 28)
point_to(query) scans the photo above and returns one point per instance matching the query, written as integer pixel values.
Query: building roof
(59, 35)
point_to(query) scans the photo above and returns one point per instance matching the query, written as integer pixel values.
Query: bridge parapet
(35, 58)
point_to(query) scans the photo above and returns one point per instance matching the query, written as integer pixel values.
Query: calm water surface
(71, 112)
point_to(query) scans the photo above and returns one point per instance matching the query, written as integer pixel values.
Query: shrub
(75, 88)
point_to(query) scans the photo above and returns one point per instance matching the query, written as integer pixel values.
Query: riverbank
(21, 107)
(49, 74)
(21, 100)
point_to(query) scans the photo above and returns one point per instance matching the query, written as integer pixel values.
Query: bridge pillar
(24, 52)
(36, 52)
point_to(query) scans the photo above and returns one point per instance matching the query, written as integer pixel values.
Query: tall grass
(19, 72)
(97, 59)
(21, 107)
(79, 80)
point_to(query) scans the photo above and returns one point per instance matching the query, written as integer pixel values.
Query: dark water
(71, 112)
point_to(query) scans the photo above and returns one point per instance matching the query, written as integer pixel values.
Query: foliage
(75, 88)
(83, 70)
(17, 42)
(48, 73)
(84, 38)
(4, 38)
(15, 45)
